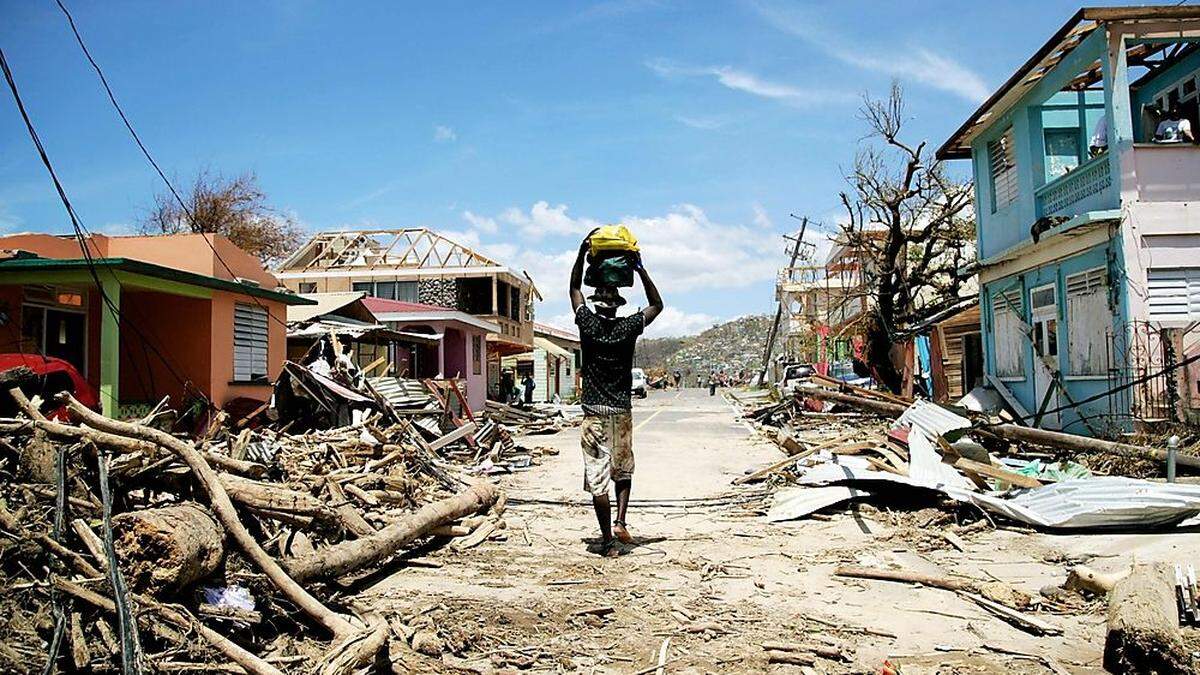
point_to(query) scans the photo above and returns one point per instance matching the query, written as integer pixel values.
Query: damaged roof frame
(1058, 47)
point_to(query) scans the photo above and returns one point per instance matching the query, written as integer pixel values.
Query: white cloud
(543, 219)
(444, 134)
(761, 218)
(684, 250)
(702, 123)
(744, 81)
(675, 323)
(481, 223)
(918, 64)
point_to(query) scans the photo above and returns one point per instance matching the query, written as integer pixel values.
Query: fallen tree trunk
(355, 554)
(1143, 625)
(167, 549)
(265, 496)
(224, 510)
(1014, 432)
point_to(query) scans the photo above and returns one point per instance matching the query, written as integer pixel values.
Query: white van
(639, 383)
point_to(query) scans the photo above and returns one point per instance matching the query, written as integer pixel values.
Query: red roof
(384, 306)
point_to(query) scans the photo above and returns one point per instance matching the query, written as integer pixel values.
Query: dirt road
(713, 577)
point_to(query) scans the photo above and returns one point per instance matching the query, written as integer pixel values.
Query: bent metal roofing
(27, 264)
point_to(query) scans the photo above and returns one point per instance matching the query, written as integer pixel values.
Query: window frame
(1010, 302)
(1091, 283)
(256, 312)
(1006, 178)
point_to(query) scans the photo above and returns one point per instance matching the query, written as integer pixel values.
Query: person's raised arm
(577, 276)
(656, 302)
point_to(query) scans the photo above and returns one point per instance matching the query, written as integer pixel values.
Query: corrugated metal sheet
(403, 393)
(933, 419)
(793, 503)
(1086, 503)
(1100, 502)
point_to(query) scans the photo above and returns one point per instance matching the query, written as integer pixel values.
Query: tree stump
(166, 549)
(1143, 625)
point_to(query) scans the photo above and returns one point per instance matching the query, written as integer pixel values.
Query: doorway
(55, 332)
(1043, 304)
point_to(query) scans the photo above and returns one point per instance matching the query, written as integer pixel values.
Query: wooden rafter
(421, 248)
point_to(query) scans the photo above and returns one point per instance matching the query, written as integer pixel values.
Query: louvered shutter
(1174, 294)
(1006, 333)
(1088, 320)
(249, 342)
(1003, 168)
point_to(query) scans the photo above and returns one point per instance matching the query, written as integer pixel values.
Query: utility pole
(779, 307)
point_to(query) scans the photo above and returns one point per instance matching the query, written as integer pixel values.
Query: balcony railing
(1067, 194)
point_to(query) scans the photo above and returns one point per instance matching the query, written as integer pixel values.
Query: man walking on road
(607, 344)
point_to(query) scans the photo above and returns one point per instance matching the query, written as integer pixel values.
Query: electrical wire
(146, 152)
(81, 233)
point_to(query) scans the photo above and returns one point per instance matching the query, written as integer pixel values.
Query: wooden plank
(1012, 477)
(1008, 397)
(462, 432)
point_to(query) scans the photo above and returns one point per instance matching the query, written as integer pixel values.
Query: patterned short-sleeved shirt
(607, 346)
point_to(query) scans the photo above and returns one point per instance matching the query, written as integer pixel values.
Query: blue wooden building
(1088, 226)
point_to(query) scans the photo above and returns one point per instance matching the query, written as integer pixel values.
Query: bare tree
(913, 227)
(235, 207)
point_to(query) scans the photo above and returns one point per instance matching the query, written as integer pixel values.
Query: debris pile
(245, 544)
(1024, 474)
(848, 444)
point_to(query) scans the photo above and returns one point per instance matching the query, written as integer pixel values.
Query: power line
(146, 152)
(81, 233)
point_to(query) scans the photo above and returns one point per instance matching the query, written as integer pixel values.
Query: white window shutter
(1006, 334)
(1174, 294)
(1088, 321)
(249, 342)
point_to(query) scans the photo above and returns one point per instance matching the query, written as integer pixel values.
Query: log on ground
(1143, 625)
(353, 555)
(166, 549)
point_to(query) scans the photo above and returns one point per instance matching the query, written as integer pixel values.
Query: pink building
(460, 350)
(172, 315)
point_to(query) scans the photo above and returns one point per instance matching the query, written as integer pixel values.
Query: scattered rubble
(849, 445)
(242, 545)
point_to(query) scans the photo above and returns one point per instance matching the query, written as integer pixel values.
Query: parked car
(639, 383)
(844, 371)
(792, 375)
(52, 375)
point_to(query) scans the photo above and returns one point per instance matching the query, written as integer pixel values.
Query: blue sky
(513, 126)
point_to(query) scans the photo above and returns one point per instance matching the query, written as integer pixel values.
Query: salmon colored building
(147, 316)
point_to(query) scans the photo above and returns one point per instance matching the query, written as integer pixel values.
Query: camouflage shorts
(607, 442)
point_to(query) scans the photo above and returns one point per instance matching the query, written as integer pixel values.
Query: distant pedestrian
(712, 384)
(529, 385)
(678, 380)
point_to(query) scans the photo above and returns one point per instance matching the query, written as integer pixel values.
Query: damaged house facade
(418, 265)
(172, 315)
(1088, 211)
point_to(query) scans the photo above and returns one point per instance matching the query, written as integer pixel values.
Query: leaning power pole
(779, 306)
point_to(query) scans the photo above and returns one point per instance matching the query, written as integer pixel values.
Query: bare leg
(624, 487)
(603, 515)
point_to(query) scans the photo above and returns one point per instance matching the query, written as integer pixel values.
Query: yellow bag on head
(612, 238)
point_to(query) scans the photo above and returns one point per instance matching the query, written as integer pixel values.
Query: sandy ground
(709, 574)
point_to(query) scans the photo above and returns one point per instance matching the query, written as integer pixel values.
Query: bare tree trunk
(355, 554)
(1143, 625)
(169, 548)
